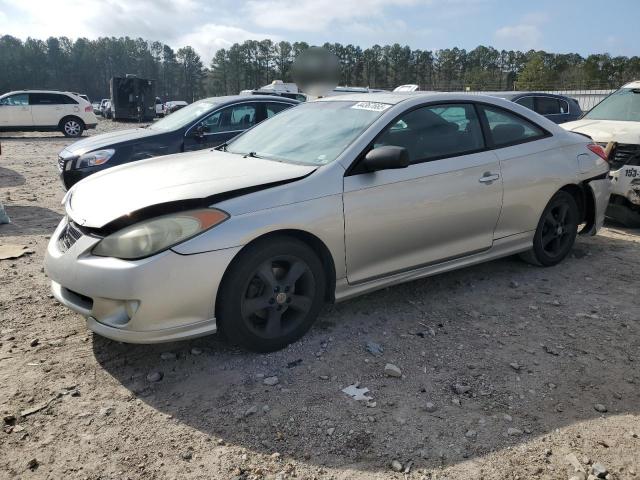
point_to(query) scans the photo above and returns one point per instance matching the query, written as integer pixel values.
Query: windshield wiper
(222, 147)
(252, 155)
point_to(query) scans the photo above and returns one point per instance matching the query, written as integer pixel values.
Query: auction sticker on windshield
(371, 106)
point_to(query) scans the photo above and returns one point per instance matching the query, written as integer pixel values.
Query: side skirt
(503, 247)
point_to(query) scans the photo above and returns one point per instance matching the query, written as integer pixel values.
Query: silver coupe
(325, 201)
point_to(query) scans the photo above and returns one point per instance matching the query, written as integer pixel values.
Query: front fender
(320, 217)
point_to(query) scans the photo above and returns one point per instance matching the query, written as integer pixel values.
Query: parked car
(159, 107)
(615, 123)
(96, 108)
(299, 96)
(349, 90)
(325, 201)
(407, 88)
(83, 96)
(107, 111)
(103, 104)
(557, 108)
(45, 111)
(173, 106)
(203, 124)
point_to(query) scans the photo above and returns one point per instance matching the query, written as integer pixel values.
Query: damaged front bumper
(626, 183)
(162, 298)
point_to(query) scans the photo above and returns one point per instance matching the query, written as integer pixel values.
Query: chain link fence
(587, 97)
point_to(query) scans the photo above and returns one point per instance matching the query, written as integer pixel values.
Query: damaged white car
(615, 124)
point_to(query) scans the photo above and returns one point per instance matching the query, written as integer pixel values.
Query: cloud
(317, 15)
(174, 22)
(209, 38)
(520, 36)
(526, 34)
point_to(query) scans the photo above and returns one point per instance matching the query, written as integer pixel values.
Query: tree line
(86, 66)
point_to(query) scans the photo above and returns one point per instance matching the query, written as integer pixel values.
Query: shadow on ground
(32, 138)
(10, 178)
(537, 348)
(29, 220)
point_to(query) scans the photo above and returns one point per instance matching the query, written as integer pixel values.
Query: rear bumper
(162, 298)
(600, 190)
(90, 126)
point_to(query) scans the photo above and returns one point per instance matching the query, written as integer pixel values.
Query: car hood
(104, 140)
(113, 193)
(605, 131)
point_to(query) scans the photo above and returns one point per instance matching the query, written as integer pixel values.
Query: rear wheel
(556, 231)
(271, 294)
(72, 127)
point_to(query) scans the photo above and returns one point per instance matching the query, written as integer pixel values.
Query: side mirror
(385, 158)
(198, 132)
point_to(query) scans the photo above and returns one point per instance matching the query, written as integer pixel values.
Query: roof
(28, 90)
(513, 94)
(634, 84)
(394, 98)
(245, 98)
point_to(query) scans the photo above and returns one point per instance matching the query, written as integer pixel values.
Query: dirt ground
(508, 372)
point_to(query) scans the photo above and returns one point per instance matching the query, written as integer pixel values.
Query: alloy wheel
(72, 128)
(278, 297)
(557, 230)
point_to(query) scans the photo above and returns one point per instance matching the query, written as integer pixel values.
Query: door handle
(488, 177)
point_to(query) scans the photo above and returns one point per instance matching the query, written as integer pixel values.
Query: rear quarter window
(507, 128)
(527, 102)
(550, 106)
(51, 99)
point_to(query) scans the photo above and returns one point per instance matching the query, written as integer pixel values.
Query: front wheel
(271, 294)
(556, 231)
(72, 127)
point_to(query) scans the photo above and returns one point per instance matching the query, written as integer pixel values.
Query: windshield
(183, 117)
(622, 105)
(313, 133)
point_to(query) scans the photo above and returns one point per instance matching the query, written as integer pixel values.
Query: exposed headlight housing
(93, 159)
(158, 234)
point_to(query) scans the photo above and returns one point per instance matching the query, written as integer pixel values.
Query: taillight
(598, 150)
(88, 109)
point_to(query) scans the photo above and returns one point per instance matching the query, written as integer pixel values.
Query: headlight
(93, 159)
(161, 233)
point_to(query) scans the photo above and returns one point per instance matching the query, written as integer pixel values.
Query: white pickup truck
(615, 124)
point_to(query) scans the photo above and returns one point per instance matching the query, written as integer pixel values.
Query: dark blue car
(557, 108)
(206, 123)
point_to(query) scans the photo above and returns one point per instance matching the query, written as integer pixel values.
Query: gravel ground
(507, 372)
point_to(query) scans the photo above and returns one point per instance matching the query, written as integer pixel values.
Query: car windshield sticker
(371, 106)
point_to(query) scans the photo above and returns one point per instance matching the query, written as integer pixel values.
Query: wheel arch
(586, 204)
(69, 117)
(312, 241)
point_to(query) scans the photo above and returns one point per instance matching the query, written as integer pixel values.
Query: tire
(556, 231)
(271, 294)
(72, 127)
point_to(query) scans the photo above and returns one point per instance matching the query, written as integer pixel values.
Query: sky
(560, 26)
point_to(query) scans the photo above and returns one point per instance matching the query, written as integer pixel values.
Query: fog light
(131, 308)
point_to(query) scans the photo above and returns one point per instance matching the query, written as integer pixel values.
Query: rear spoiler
(583, 134)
